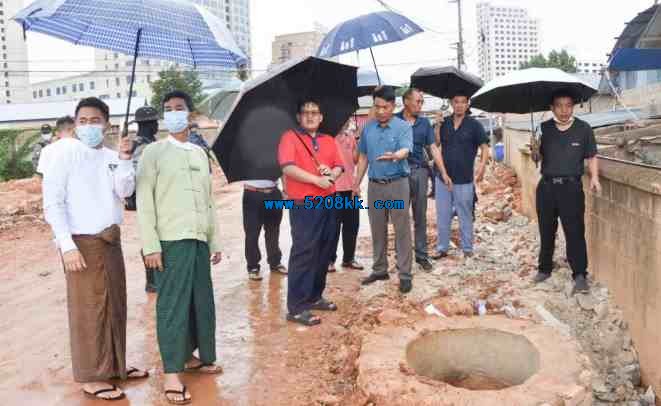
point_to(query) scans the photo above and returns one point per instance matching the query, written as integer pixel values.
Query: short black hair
(307, 100)
(386, 93)
(178, 94)
(563, 92)
(96, 103)
(64, 121)
(409, 92)
(460, 93)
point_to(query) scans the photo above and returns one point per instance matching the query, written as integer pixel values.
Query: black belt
(561, 180)
(387, 180)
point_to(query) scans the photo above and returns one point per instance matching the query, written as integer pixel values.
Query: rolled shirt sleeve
(430, 138)
(479, 134)
(124, 178)
(362, 144)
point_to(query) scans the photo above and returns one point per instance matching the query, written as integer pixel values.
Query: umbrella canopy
(173, 30)
(445, 81)
(266, 107)
(529, 90)
(368, 80)
(367, 31)
(219, 103)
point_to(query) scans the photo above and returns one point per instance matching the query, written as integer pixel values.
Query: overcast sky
(586, 28)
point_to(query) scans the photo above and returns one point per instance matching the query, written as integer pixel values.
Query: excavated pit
(474, 359)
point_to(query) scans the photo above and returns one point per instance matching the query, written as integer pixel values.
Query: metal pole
(378, 78)
(135, 62)
(460, 44)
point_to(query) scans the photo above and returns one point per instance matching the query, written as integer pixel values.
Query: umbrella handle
(125, 132)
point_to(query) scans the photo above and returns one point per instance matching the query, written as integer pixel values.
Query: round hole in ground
(475, 359)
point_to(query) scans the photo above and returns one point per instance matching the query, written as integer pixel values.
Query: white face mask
(47, 136)
(90, 135)
(175, 121)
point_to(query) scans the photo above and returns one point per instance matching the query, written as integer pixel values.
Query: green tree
(15, 154)
(172, 79)
(561, 60)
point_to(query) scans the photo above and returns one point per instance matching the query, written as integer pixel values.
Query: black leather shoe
(541, 277)
(425, 264)
(439, 255)
(405, 286)
(373, 277)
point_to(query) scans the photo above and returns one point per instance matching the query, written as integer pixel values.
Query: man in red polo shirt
(310, 163)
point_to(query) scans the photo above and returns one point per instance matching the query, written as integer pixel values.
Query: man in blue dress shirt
(384, 146)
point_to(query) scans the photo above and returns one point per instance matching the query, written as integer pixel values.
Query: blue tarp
(635, 59)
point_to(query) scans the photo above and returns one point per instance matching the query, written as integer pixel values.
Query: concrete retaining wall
(624, 242)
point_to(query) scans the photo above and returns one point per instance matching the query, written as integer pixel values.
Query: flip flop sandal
(305, 318)
(135, 373)
(95, 395)
(211, 369)
(181, 392)
(324, 305)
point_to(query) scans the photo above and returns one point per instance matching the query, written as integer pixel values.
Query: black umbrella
(527, 91)
(445, 81)
(247, 144)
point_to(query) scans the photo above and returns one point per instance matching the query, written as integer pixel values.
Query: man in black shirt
(566, 142)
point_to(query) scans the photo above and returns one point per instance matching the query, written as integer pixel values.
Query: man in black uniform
(566, 142)
(147, 119)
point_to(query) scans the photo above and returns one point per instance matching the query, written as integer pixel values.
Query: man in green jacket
(177, 219)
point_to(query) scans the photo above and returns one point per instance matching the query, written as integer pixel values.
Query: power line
(425, 26)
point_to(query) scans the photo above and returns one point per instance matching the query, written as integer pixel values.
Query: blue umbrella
(365, 32)
(174, 30)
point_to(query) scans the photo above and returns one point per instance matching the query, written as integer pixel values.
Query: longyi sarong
(185, 310)
(96, 298)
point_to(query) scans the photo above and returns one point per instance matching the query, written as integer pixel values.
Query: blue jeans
(461, 199)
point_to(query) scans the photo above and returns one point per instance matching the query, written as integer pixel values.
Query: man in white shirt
(83, 190)
(256, 216)
(64, 128)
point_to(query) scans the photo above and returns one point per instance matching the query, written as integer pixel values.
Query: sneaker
(439, 255)
(468, 254)
(254, 275)
(541, 277)
(425, 264)
(405, 286)
(373, 277)
(581, 284)
(353, 264)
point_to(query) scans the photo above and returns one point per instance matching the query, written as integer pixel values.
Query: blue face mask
(90, 135)
(175, 121)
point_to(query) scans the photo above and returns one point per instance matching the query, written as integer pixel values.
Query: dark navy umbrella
(365, 32)
(266, 107)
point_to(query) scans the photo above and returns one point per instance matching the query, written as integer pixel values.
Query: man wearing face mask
(177, 219)
(83, 192)
(46, 136)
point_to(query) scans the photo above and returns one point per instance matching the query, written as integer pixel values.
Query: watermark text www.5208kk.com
(332, 202)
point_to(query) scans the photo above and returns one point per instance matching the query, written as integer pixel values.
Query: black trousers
(313, 239)
(567, 202)
(348, 222)
(255, 216)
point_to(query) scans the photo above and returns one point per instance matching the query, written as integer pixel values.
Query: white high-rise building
(112, 70)
(591, 66)
(506, 36)
(14, 81)
(295, 45)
